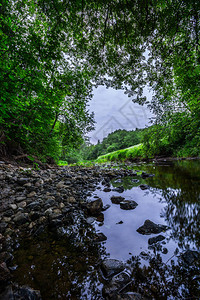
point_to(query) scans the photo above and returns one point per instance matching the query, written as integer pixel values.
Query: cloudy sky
(115, 110)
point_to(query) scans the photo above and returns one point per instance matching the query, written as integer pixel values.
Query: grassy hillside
(131, 153)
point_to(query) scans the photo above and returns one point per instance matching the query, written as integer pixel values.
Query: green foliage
(41, 92)
(53, 52)
(131, 153)
(178, 137)
(119, 139)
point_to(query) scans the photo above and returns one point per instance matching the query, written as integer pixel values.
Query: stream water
(62, 270)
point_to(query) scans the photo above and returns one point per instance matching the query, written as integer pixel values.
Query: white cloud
(115, 110)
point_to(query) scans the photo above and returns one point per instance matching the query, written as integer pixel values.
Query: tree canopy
(53, 52)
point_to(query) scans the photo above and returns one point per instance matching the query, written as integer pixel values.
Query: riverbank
(137, 153)
(54, 200)
(47, 218)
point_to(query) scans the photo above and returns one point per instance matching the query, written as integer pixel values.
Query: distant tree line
(119, 139)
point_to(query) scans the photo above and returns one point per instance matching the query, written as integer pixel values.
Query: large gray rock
(149, 227)
(128, 204)
(110, 267)
(95, 207)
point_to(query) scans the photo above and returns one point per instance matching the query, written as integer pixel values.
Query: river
(169, 196)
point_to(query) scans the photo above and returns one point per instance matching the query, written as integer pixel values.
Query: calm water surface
(62, 270)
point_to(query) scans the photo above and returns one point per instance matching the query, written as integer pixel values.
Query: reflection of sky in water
(123, 238)
(172, 200)
(62, 270)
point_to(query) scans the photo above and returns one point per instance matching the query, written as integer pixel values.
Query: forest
(53, 53)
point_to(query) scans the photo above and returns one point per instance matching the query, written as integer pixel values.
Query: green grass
(131, 153)
(62, 163)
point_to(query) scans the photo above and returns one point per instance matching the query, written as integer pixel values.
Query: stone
(34, 205)
(32, 194)
(164, 251)
(149, 227)
(128, 204)
(120, 222)
(6, 219)
(144, 187)
(90, 220)
(146, 175)
(28, 185)
(110, 267)
(61, 205)
(100, 237)
(23, 181)
(106, 207)
(119, 189)
(20, 198)
(22, 204)
(20, 218)
(71, 200)
(34, 215)
(117, 199)
(190, 257)
(107, 189)
(95, 207)
(156, 239)
(3, 226)
(27, 293)
(117, 283)
(60, 185)
(13, 206)
(4, 273)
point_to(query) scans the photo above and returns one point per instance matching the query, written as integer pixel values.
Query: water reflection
(169, 269)
(58, 268)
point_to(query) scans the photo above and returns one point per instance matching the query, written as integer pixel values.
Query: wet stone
(117, 199)
(34, 205)
(23, 181)
(149, 227)
(90, 220)
(20, 199)
(95, 207)
(20, 218)
(119, 189)
(156, 239)
(27, 293)
(146, 175)
(3, 226)
(100, 237)
(13, 206)
(4, 273)
(190, 256)
(120, 222)
(117, 283)
(144, 187)
(164, 251)
(110, 267)
(128, 205)
(107, 189)
(106, 207)
(32, 194)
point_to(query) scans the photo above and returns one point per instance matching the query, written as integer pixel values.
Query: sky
(114, 110)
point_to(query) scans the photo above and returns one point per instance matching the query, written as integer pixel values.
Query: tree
(53, 52)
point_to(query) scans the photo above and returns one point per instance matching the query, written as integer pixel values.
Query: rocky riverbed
(55, 200)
